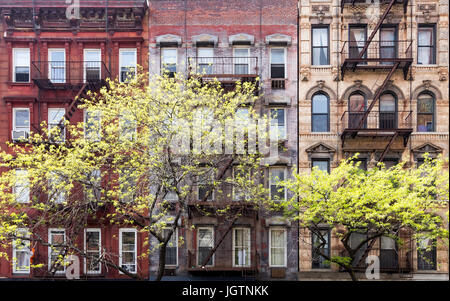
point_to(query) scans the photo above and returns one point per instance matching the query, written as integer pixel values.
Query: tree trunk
(352, 274)
(162, 262)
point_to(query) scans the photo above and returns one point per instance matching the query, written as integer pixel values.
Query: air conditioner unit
(18, 136)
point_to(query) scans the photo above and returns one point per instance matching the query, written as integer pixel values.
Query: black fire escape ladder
(73, 105)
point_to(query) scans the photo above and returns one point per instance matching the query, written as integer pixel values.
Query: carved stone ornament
(443, 73)
(305, 73)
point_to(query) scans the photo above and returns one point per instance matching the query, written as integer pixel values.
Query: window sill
(15, 84)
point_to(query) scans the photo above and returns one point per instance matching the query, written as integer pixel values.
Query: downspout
(298, 123)
(338, 64)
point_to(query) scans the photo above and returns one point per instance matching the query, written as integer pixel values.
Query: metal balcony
(380, 55)
(53, 75)
(223, 260)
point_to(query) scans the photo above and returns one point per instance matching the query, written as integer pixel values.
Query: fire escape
(386, 55)
(77, 77)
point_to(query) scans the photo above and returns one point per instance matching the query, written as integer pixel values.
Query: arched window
(356, 108)
(320, 119)
(388, 111)
(426, 112)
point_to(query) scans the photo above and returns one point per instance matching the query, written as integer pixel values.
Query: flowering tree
(364, 206)
(147, 148)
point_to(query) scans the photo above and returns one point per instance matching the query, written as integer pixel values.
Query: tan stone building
(373, 80)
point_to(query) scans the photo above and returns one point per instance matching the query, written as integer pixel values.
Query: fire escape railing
(229, 67)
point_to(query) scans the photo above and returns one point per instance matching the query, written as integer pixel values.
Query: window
(21, 65)
(277, 62)
(92, 125)
(354, 241)
(21, 187)
(356, 108)
(277, 192)
(205, 243)
(92, 248)
(56, 239)
(320, 113)
(169, 61)
(55, 116)
(277, 247)
(205, 60)
(357, 40)
(278, 118)
(127, 64)
(425, 113)
(56, 190)
(92, 190)
(426, 254)
(241, 247)
(241, 60)
(241, 177)
(21, 252)
(21, 124)
(320, 245)
(57, 65)
(172, 247)
(320, 49)
(127, 126)
(388, 43)
(128, 250)
(92, 64)
(127, 185)
(426, 45)
(388, 253)
(321, 164)
(388, 111)
(205, 186)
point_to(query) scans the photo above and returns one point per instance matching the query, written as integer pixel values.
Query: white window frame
(50, 240)
(122, 121)
(14, 65)
(175, 237)
(22, 249)
(23, 186)
(281, 135)
(162, 57)
(246, 197)
(121, 231)
(99, 125)
(235, 264)
(237, 61)
(270, 181)
(212, 245)
(99, 231)
(285, 246)
(15, 128)
(99, 50)
(205, 60)
(121, 50)
(52, 125)
(59, 197)
(50, 50)
(206, 183)
(285, 61)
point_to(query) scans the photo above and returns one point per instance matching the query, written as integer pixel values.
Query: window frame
(283, 135)
(14, 64)
(57, 81)
(212, 245)
(357, 26)
(175, 238)
(328, 248)
(99, 50)
(121, 50)
(433, 47)
(50, 230)
(240, 47)
(313, 27)
(162, 60)
(212, 194)
(210, 58)
(53, 125)
(121, 231)
(433, 114)
(285, 62)
(85, 121)
(270, 182)
(17, 129)
(27, 189)
(321, 114)
(321, 160)
(284, 247)
(99, 231)
(242, 247)
(15, 250)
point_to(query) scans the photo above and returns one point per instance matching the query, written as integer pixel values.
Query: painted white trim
(15, 128)
(249, 247)
(57, 110)
(212, 245)
(14, 63)
(14, 251)
(285, 120)
(50, 50)
(26, 185)
(85, 250)
(121, 50)
(237, 61)
(285, 246)
(162, 56)
(99, 50)
(285, 60)
(49, 255)
(122, 230)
